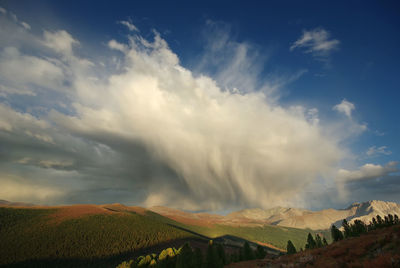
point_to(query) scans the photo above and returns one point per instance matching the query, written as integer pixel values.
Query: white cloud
(60, 41)
(378, 150)
(117, 46)
(5, 90)
(316, 42)
(129, 25)
(366, 172)
(5, 125)
(3, 11)
(345, 107)
(312, 115)
(154, 132)
(14, 65)
(227, 148)
(25, 25)
(24, 124)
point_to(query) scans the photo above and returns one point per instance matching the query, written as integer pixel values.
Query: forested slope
(28, 234)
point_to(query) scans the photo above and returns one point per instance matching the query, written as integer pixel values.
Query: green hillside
(274, 235)
(271, 234)
(27, 234)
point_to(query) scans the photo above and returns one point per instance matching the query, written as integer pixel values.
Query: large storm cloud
(139, 128)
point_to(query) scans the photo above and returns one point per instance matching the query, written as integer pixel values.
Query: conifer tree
(357, 228)
(374, 224)
(336, 233)
(198, 258)
(186, 257)
(241, 255)
(260, 252)
(221, 254)
(247, 252)
(347, 228)
(396, 219)
(310, 242)
(379, 220)
(391, 219)
(291, 249)
(386, 221)
(318, 241)
(212, 258)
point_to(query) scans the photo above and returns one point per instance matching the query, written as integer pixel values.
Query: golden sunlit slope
(79, 232)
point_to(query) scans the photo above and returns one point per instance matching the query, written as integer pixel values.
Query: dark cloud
(385, 188)
(149, 131)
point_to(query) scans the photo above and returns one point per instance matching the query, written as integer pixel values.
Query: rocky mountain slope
(287, 217)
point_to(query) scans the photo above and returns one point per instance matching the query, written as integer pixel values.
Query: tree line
(312, 243)
(354, 229)
(187, 257)
(358, 227)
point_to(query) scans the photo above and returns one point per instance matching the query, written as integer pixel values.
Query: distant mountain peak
(323, 219)
(14, 204)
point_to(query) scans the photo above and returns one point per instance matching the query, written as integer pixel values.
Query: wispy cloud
(378, 150)
(129, 25)
(239, 66)
(25, 25)
(14, 17)
(317, 42)
(3, 10)
(345, 107)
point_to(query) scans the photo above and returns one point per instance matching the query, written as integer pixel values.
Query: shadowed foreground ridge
(377, 248)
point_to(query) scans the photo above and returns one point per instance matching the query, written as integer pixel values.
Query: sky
(200, 106)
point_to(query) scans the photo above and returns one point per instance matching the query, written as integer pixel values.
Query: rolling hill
(79, 234)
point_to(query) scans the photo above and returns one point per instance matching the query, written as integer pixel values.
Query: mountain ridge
(288, 217)
(254, 217)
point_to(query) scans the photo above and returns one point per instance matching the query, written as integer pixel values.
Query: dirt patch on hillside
(77, 211)
(122, 208)
(270, 246)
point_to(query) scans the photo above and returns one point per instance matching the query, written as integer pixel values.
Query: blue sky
(219, 106)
